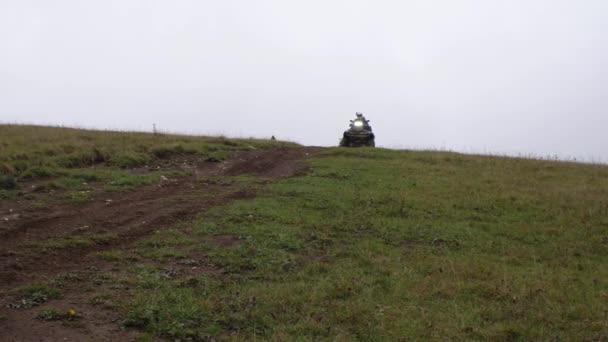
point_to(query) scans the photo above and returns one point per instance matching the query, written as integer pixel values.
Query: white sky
(501, 76)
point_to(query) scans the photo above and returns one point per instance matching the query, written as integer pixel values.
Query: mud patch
(282, 163)
(225, 240)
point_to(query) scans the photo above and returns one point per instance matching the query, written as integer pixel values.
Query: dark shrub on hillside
(166, 151)
(82, 158)
(38, 172)
(6, 169)
(20, 166)
(8, 182)
(130, 159)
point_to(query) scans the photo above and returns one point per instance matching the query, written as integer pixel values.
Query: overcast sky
(500, 76)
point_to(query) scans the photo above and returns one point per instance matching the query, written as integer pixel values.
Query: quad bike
(359, 134)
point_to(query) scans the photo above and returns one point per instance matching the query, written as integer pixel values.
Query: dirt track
(123, 218)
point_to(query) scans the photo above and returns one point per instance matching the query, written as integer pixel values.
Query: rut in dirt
(128, 217)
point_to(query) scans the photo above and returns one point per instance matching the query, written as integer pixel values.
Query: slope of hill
(361, 244)
(31, 152)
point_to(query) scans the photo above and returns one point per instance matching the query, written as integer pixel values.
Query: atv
(359, 134)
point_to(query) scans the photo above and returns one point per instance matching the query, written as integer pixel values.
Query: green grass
(111, 179)
(114, 256)
(50, 314)
(35, 295)
(130, 181)
(8, 194)
(92, 277)
(104, 300)
(383, 245)
(78, 197)
(162, 253)
(165, 245)
(37, 152)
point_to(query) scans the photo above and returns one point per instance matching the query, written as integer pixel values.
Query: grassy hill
(30, 153)
(369, 244)
(377, 244)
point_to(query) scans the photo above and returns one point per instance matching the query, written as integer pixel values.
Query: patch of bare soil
(121, 219)
(225, 240)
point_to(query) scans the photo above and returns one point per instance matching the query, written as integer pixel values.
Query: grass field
(369, 244)
(382, 245)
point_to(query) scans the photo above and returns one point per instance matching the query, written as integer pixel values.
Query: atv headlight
(358, 123)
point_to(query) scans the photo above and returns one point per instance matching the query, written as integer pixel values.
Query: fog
(484, 76)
